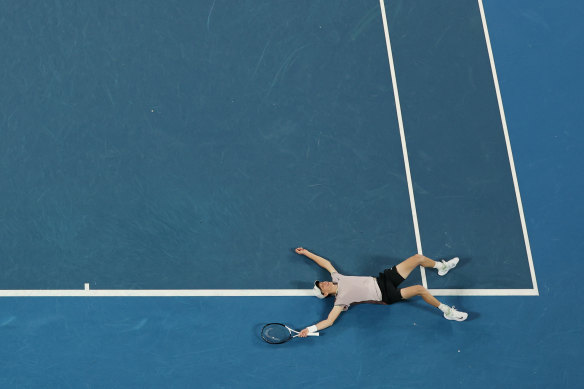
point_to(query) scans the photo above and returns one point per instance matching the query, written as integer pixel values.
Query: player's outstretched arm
(320, 261)
(333, 315)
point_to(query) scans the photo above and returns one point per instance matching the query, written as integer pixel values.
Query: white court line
(87, 292)
(156, 293)
(483, 292)
(236, 293)
(403, 137)
(512, 164)
(508, 143)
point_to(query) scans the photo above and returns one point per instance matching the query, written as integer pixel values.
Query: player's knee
(419, 289)
(419, 258)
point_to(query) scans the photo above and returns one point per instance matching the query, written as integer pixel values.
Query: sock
(439, 265)
(444, 308)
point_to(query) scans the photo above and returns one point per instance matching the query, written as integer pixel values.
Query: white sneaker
(453, 314)
(446, 266)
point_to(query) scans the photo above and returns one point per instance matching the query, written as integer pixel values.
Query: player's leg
(405, 268)
(418, 290)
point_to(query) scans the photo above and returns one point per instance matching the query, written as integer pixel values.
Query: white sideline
(403, 137)
(508, 143)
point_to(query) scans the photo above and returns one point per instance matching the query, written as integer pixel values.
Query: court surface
(158, 163)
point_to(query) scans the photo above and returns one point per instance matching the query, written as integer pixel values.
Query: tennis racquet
(276, 333)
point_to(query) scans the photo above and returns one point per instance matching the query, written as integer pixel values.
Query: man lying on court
(381, 290)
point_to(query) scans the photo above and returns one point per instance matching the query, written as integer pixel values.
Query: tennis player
(349, 290)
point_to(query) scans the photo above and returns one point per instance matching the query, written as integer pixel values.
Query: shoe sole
(456, 318)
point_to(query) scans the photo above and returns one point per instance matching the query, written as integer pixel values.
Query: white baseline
(234, 292)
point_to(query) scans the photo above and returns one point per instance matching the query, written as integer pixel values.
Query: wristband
(312, 329)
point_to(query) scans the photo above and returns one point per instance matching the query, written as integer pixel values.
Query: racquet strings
(275, 333)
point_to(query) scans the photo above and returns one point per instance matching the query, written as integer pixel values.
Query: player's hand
(303, 333)
(301, 251)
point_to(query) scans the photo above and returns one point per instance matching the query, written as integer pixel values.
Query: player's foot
(453, 314)
(447, 265)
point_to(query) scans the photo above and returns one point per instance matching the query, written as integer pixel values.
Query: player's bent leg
(450, 313)
(405, 268)
(419, 290)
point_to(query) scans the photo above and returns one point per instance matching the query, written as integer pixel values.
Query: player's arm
(333, 315)
(320, 261)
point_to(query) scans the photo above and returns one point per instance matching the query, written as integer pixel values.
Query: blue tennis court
(159, 161)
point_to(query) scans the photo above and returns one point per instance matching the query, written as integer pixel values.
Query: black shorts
(388, 282)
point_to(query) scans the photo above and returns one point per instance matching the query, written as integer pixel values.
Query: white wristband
(312, 329)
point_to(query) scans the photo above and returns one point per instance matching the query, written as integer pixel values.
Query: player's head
(323, 289)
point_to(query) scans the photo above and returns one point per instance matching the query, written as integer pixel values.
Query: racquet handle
(313, 334)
